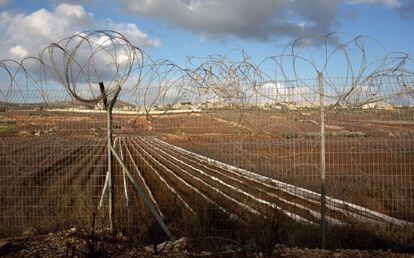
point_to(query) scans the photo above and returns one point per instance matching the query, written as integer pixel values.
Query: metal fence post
(110, 176)
(140, 192)
(322, 160)
(108, 107)
(123, 175)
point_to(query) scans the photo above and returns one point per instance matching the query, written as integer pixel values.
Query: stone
(29, 231)
(205, 253)
(24, 133)
(149, 248)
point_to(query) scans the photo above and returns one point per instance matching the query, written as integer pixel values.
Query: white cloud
(260, 19)
(18, 52)
(271, 92)
(133, 34)
(390, 3)
(29, 33)
(404, 7)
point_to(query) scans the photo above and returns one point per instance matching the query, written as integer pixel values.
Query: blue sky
(172, 29)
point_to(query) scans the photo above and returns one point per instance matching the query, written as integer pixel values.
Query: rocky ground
(73, 243)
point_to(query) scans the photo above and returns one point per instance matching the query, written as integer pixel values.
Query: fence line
(213, 148)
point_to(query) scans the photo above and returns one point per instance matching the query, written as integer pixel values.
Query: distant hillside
(56, 104)
(23, 106)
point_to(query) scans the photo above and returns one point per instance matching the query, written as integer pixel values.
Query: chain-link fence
(220, 153)
(259, 160)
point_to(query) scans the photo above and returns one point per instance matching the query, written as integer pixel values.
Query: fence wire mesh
(221, 150)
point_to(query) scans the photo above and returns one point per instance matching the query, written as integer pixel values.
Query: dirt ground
(53, 164)
(73, 243)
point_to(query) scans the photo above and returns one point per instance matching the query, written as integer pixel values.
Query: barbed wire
(99, 66)
(79, 62)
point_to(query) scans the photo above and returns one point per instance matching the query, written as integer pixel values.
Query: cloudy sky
(173, 29)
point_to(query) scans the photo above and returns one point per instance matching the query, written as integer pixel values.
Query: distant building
(99, 106)
(378, 105)
(128, 108)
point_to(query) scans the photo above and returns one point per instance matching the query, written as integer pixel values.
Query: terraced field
(246, 166)
(57, 181)
(186, 173)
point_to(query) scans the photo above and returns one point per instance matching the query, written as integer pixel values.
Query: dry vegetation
(52, 179)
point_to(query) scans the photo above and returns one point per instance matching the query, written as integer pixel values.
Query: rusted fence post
(110, 176)
(323, 223)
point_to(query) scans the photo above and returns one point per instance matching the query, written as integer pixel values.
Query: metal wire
(226, 131)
